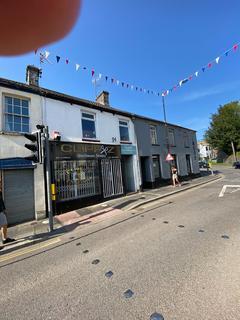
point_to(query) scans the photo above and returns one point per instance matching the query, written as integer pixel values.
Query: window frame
(93, 119)
(186, 139)
(173, 142)
(126, 125)
(153, 129)
(9, 126)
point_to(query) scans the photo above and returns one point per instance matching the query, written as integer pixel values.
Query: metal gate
(111, 177)
(77, 179)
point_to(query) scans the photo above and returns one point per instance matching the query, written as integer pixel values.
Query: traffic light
(35, 146)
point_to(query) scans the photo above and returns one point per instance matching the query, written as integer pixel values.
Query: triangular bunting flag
(217, 59)
(58, 58)
(100, 76)
(196, 73)
(180, 83)
(112, 80)
(47, 54)
(118, 82)
(77, 66)
(235, 47)
(67, 61)
(209, 65)
(190, 78)
(36, 50)
(106, 78)
(93, 72)
(203, 69)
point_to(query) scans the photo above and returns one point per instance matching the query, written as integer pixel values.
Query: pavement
(37, 231)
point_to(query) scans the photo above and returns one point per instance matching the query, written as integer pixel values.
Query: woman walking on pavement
(175, 177)
(3, 221)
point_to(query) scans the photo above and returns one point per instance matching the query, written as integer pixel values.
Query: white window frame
(13, 114)
(88, 119)
(153, 134)
(126, 125)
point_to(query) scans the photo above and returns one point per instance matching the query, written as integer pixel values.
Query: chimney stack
(103, 98)
(32, 75)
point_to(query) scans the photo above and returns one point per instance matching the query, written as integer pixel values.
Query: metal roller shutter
(19, 195)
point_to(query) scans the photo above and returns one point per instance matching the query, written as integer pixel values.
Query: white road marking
(224, 188)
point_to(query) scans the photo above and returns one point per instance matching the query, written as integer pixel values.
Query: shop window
(88, 125)
(16, 114)
(156, 167)
(153, 134)
(123, 129)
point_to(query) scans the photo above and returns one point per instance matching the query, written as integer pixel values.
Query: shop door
(111, 177)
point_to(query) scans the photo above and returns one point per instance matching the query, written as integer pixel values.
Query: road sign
(169, 157)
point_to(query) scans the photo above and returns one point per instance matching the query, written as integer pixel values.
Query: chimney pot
(103, 98)
(32, 75)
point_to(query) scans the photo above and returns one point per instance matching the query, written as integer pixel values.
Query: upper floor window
(123, 128)
(16, 114)
(153, 135)
(171, 137)
(186, 140)
(88, 125)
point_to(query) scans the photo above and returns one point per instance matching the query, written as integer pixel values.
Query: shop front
(85, 173)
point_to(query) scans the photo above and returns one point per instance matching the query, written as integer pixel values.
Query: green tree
(225, 128)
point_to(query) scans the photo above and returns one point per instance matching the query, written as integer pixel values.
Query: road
(180, 258)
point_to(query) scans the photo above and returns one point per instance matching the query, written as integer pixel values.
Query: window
(171, 138)
(16, 114)
(153, 134)
(88, 125)
(186, 140)
(123, 128)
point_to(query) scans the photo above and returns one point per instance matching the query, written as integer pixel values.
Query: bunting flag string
(203, 69)
(44, 55)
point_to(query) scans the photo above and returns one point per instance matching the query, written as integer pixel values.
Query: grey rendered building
(155, 140)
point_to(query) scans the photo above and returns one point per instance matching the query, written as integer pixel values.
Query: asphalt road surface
(178, 258)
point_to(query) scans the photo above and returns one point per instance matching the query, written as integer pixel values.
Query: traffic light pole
(48, 178)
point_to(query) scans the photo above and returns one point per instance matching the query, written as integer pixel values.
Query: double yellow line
(33, 248)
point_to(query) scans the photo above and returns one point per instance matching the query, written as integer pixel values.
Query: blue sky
(151, 44)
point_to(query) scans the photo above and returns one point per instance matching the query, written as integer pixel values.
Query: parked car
(236, 165)
(203, 164)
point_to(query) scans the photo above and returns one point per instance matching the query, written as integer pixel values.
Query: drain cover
(180, 226)
(78, 244)
(109, 274)
(165, 222)
(153, 218)
(156, 316)
(201, 230)
(128, 294)
(85, 251)
(96, 261)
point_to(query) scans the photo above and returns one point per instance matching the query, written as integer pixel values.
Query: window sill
(90, 140)
(125, 142)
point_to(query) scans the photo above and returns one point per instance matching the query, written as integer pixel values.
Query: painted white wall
(66, 119)
(12, 144)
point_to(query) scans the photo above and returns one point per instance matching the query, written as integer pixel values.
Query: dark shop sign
(77, 150)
